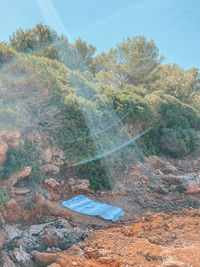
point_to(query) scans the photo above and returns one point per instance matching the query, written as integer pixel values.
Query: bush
(169, 112)
(178, 142)
(49, 52)
(95, 173)
(32, 38)
(4, 197)
(6, 53)
(17, 159)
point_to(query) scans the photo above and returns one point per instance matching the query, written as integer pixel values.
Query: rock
(3, 151)
(158, 172)
(2, 238)
(47, 155)
(13, 212)
(170, 169)
(50, 240)
(156, 161)
(36, 229)
(51, 168)
(192, 189)
(57, 152)
(54, 265)
(11, 204)
(11, 138)
(12, 231)
(165, 166)
(2, 221)
(79, 186)
(53, 155)
(21, 191)
(76, 251)
(53, 197)
(16, 177)
(37, 197)
(44, 259)
(21, 256)
(51, 184)
(6, 261)
(173, 179)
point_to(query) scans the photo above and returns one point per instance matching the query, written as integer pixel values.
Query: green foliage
(128, 105)
(33, 38)
(134, 61)
(183, 84)
(175, 127)
(17, 159)
(169, 112)
(49, 52)
(4, 197)
(9, 119)
(52, 92)
(86, 53)
(95, 173)
(6, 53)
(179, 142)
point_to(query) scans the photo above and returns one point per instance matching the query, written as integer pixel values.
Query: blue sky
(174, 25)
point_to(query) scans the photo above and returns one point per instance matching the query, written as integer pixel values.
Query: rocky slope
(160, 197)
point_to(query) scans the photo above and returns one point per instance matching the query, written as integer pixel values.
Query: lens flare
(112, 151)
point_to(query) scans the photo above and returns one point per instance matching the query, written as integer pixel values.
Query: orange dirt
(156, 240)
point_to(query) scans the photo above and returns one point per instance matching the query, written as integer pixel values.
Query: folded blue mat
(87, 206)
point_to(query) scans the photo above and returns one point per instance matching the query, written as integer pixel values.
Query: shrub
(95, 173)
(178, 142)
(6, 53)
(4, 197)
(17, 159)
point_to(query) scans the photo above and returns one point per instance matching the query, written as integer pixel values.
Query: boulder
(21, 256)
(79, 186)
(51, 184)
(44, 259)
(53, 155)
(192, 189)
(21, 191)
(51, 169)
(50, 240)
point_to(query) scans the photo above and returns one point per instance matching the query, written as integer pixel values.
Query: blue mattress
(87, 206)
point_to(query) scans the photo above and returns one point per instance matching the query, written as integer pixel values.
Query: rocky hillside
(160, 227)
(69, 122)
